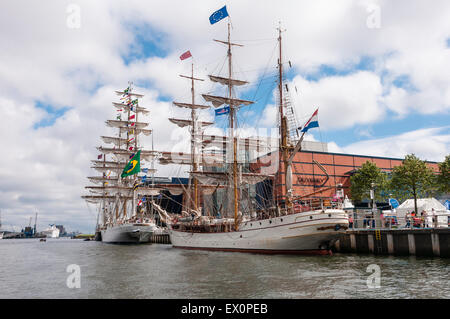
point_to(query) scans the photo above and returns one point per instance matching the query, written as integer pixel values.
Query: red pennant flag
(100, 156)
(131, 117)
(185, 55)
(132, 124)
(131, 148)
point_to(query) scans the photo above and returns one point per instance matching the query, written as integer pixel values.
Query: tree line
(413, 179)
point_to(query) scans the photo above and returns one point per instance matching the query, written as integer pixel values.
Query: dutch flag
(313, 122)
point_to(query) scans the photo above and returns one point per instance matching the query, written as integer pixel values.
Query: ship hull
(51, 233)
(301, 233)
(127, 233)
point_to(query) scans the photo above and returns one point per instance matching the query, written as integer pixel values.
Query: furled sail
(137, 109)
(146, 191)
(100, 180)
(133, 130)
(127, 124)
(128, 93)
(186, 158)
(106, 169)
(110, 190)
(95, 199)
(225, 81)
(191, 106)
(247, 143)
(219, 100)
(183, 123)
(125, 154)
(98, 163)
(114, 140)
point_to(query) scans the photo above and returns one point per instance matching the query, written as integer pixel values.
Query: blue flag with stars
(218, 15)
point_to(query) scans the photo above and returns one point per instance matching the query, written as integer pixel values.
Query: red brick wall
(307, 177)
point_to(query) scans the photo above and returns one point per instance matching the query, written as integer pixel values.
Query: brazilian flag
(133, 166)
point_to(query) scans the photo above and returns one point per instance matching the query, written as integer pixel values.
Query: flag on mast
(185, 55)
(312, 122)
(133, 166)
(218, 15)
(222, 111)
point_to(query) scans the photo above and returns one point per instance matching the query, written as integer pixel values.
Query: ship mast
(232, 137)
(283, 130)
(114, 199)
(194, 133)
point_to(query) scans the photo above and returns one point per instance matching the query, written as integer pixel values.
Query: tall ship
(238, 220)
(120, 192)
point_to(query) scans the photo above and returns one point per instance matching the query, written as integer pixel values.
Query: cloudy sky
(377, 70)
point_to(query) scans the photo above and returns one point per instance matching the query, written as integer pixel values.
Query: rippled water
(33, 269)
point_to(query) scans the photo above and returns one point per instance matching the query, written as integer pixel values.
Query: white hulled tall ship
(121, 194)
(291, 224)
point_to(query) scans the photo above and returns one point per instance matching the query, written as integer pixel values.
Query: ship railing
(407, 222)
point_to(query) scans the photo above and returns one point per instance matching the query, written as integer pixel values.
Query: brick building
(315, 169)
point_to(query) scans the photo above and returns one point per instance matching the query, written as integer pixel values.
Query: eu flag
(218, 15)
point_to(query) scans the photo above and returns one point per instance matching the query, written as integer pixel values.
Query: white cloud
(343, 101)
(431, 144)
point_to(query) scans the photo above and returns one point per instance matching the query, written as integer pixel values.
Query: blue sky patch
(366, 63)
(52, 114)
(148, 42)
(404, 82)
(390, 126)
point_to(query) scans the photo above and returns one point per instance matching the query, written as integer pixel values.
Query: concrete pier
(399, 242)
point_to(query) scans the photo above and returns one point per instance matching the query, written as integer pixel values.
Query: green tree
(443, 179)
(361, 182)
(412, 179)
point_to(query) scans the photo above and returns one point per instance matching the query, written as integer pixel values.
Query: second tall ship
(120, 193)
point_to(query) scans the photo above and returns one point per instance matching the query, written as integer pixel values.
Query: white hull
(128, 233)
(291, 234)
(1, 235)
(51, 232)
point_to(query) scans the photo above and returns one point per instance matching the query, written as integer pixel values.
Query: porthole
(310, 217)
(329, 215)
(281, 219)
(270, 222)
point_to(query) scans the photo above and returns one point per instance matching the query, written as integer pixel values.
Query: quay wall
(398, 242)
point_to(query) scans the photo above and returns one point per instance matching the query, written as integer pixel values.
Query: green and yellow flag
(133, 166)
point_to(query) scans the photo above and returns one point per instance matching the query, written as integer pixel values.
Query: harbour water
(33, 269)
